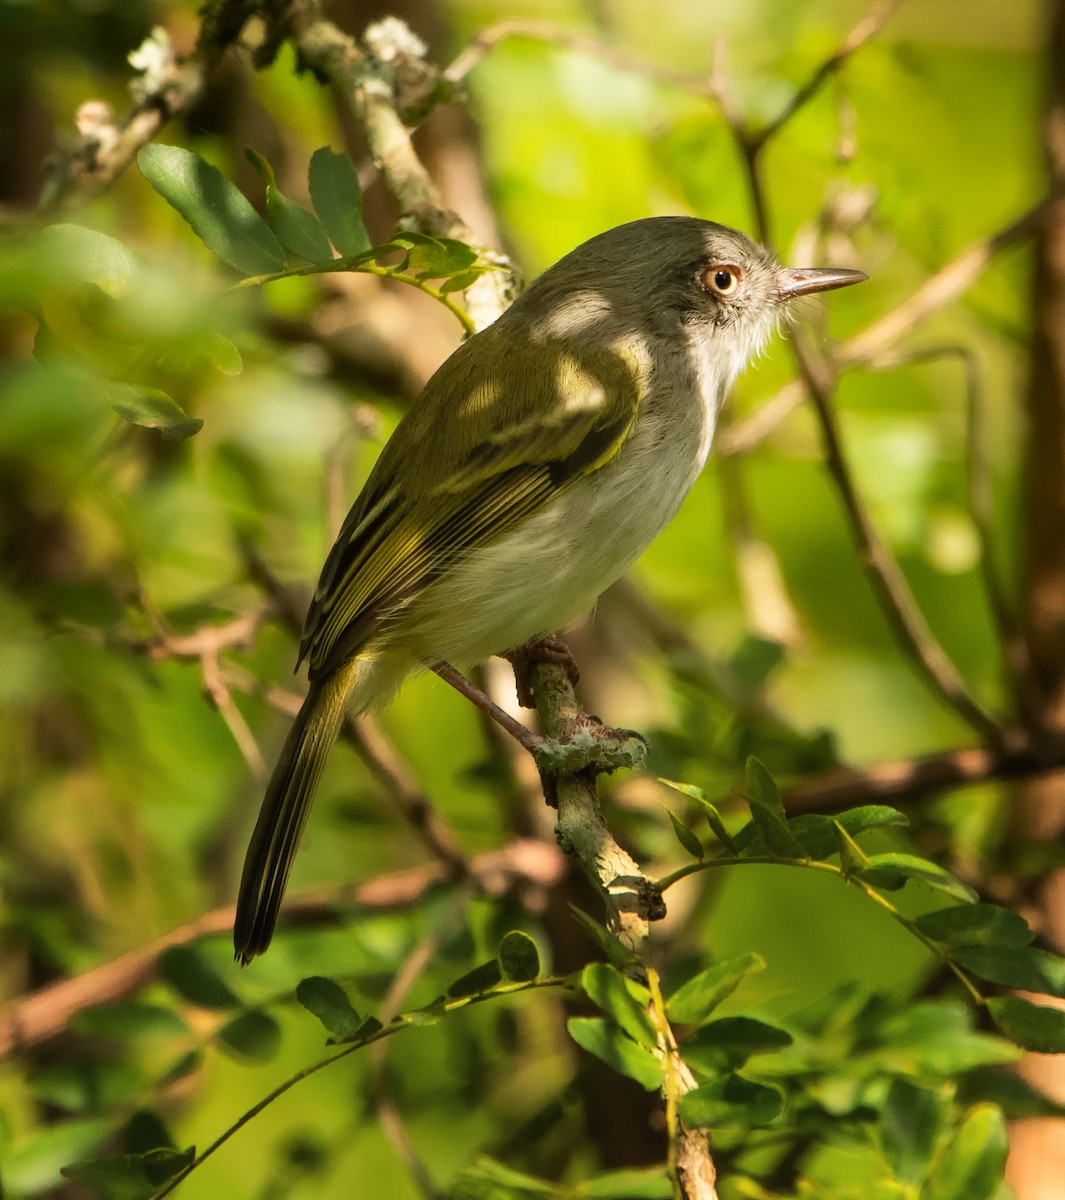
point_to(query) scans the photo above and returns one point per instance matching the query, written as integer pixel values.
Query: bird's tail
(285, 807)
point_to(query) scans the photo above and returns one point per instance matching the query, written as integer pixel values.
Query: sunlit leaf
(971, 1166)
(328, 1001)
(337, 199)
(153, 409)
(220, 215)
(623, 1000)
(607, 1042)
(696, 999)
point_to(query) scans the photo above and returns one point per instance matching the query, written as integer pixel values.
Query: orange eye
(723, 278)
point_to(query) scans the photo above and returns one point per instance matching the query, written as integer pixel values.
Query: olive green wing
(481, 452)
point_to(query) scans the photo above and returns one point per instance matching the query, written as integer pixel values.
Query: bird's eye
(722, 278)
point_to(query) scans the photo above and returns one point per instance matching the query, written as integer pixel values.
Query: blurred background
(131, 762)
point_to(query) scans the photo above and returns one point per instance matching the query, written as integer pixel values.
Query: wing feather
(529, 430)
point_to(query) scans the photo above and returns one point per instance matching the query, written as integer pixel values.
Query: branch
(943, 288)
(366, 78)
(168, 85)
(524, 865)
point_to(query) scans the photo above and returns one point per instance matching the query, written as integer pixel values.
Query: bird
(541, 459)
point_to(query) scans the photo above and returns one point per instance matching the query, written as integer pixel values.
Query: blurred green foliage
(126, 798)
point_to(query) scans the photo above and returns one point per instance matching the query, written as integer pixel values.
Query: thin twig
(523, 865)
(943, 288)
(523, 736)
(1017, 660)
(866, 29)
(881, 567)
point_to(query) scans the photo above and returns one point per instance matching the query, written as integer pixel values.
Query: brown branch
(864, 31)
(943, 288)
(107, 145)
(524, 866)
(1018, 757)
(365, 76)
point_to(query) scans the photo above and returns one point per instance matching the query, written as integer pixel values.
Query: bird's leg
(548, 649)
(531, 741)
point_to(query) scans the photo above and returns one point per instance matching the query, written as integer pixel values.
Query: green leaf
(487, 1179)
(713, 817)
(327, 1000)
(892, 871)
(767, 812)
(518, 957)
(972, 1165)
(222, 354)
(434, 258)
(685, 836)
(253, 1036)
(480, 979)
(219, 214)
(337, 199)
(128, 1020)
(1022, 967)
(1034, 1026)
(88, 1084)
(852, 858)
(73, 251)
(695, 1000)
(650, 1183)
(1015, 1096)
(731, 1101)
(817, 835)
(153, 409)
(461, 281)
(976, 925)
(726, 1044)
(193, 977)
(132, 1176)
(909, 1127)
(32, 1162)
(607, 1042)
(260, 165)
(618, 953)
(622, 999)
(297, 229)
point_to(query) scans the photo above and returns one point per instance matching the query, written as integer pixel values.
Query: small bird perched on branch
(542, 458)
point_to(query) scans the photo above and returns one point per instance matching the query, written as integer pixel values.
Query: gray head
(664, 275)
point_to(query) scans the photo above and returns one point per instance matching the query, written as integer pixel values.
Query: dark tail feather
(284, 812)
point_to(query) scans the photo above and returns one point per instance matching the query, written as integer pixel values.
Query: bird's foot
(549, 649)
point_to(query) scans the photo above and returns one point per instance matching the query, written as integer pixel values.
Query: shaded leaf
(622, 999)
(685, 836)
(220, 215)
(129, 1019)
(153, 409)
(1022, 967)
(767, 812)
(132, 1176)
(1034, 1026)
(650, 1183)
(461, 281)
(32, 1162)
(696, 999)
(606, 1041)
(726, 1044)
(297, 229)
(731, 1101)
(518, 957)
(909, 1128)
(480, 979)
(1015, 1096)
(186, 969)
(337, 199)
(327, 1000)
(976, 925)
(852, 858)
(972, 1165)
(817, 834)
(253, 1036)
(893, 871)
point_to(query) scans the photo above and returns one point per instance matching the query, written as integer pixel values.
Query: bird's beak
(801, 281)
